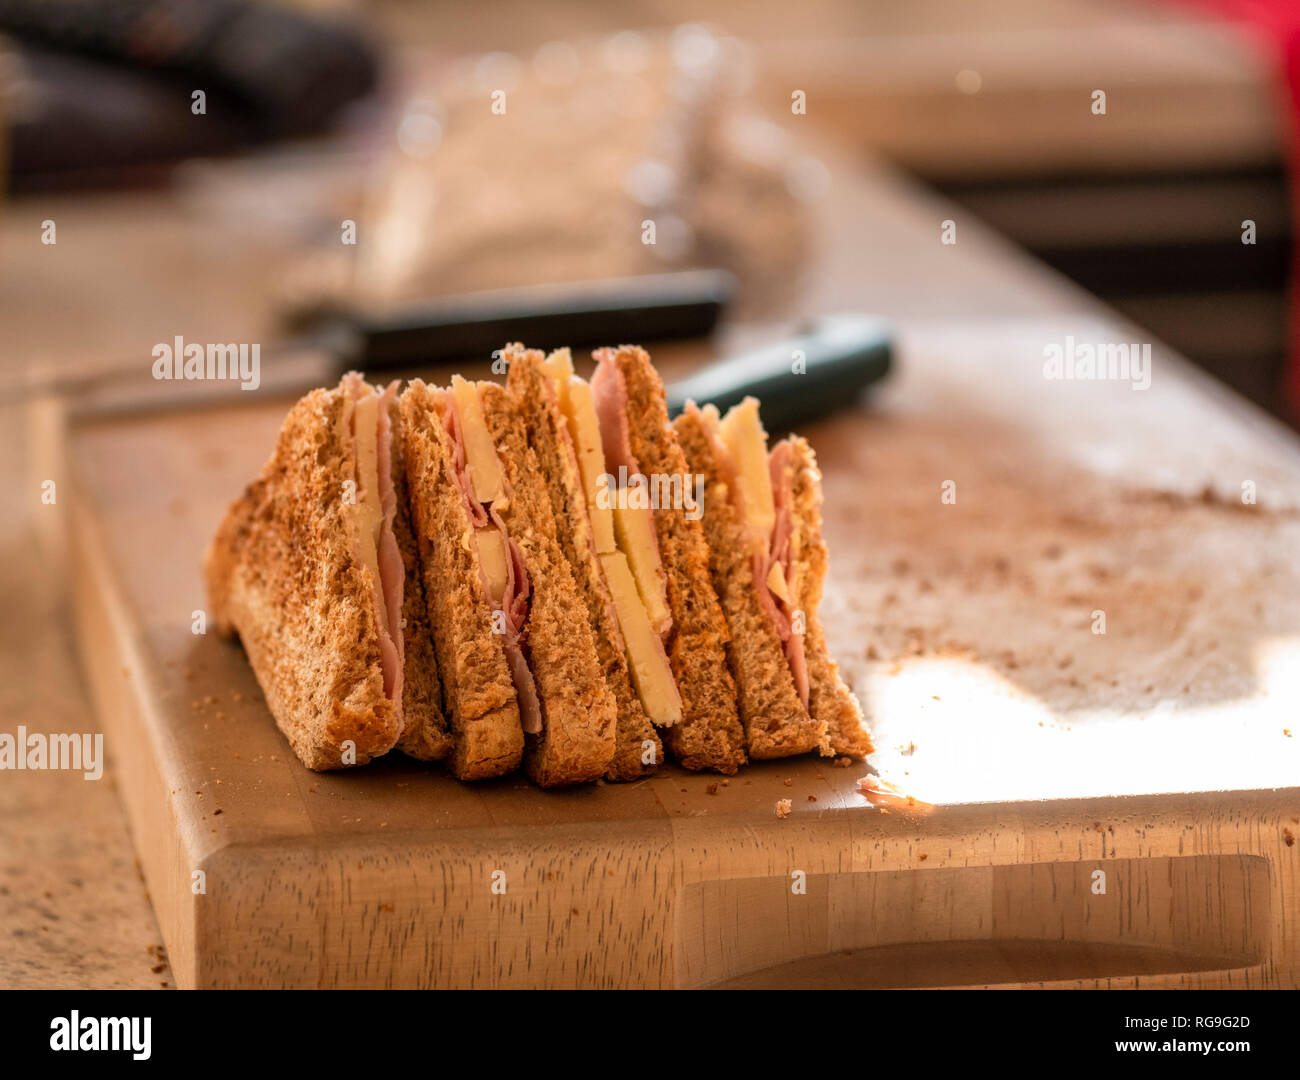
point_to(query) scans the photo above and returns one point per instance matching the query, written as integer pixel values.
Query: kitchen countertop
(73, 908)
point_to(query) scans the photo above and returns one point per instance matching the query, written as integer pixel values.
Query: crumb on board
(843, 762)
(782, 808)
(712, 789)
(812, 798)
(1289, 837)
(788, 781)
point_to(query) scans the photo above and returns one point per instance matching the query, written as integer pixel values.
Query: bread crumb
(1289, 837)
(812, 798)
(789, 781)
(712, 789)
(782, 808)
(922, 857)
(843, 762)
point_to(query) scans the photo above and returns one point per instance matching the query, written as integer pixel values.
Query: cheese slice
(579, 410)
(491, 544)
(742, 433)
(634, 529)
(559, 366)
(480, 452)
(584, 429)
(651, 673)
(777, 584)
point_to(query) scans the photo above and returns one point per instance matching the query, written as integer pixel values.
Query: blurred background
(205, 159)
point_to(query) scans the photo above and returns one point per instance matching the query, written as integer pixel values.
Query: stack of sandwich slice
(547, 572)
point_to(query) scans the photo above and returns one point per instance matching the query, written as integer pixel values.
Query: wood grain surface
(1040, 752)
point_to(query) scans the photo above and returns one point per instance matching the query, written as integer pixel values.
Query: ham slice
(388, 590)
(514, 600)
(609, 392)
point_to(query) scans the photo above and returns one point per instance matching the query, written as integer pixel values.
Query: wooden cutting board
(1113, 809)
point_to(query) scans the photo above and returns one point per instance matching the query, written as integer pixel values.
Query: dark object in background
(839, 356)
(646, 308)
(105, 87)
(1166, 250)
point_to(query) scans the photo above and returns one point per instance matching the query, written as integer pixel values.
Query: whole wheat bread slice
(829, 699)
(478, 692)
(578, 710)
(775, 720)
(282, 574)
(709, 734)
(637, 748)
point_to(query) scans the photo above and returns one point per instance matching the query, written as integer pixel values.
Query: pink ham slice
(609, 393)
(514, 601)
(392, 573)
(779, 555)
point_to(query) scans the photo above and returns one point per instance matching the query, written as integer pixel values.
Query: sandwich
(657, 528)
(560, 420)
(767, 558)
(520, 673)
(314, 567)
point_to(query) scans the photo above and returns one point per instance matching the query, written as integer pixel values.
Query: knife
(797, 379)
(645, 308)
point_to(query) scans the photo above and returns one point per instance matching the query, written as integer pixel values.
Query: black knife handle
(800, 379)
(652, 307)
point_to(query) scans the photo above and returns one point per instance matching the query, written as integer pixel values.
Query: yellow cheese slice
(651, 673)
(777, 583)
(742, 433)
(584, 429)
(492, 556)
(634, 529)
(579, 411)
(559, 366)
(480, 452)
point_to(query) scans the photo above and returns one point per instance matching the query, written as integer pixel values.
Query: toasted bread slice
(284, 573)
(578, 709)
(637, 747)
(709, 734)
(478, 692)
(426, 732)
(829, 699)
(771, 710)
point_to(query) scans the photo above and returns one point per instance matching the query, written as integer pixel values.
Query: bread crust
(829, 698)
(478, 692)
(426, 733)
(578, 712)
(709, 734)
(548, 436)
(775, 720)
(281, 573)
